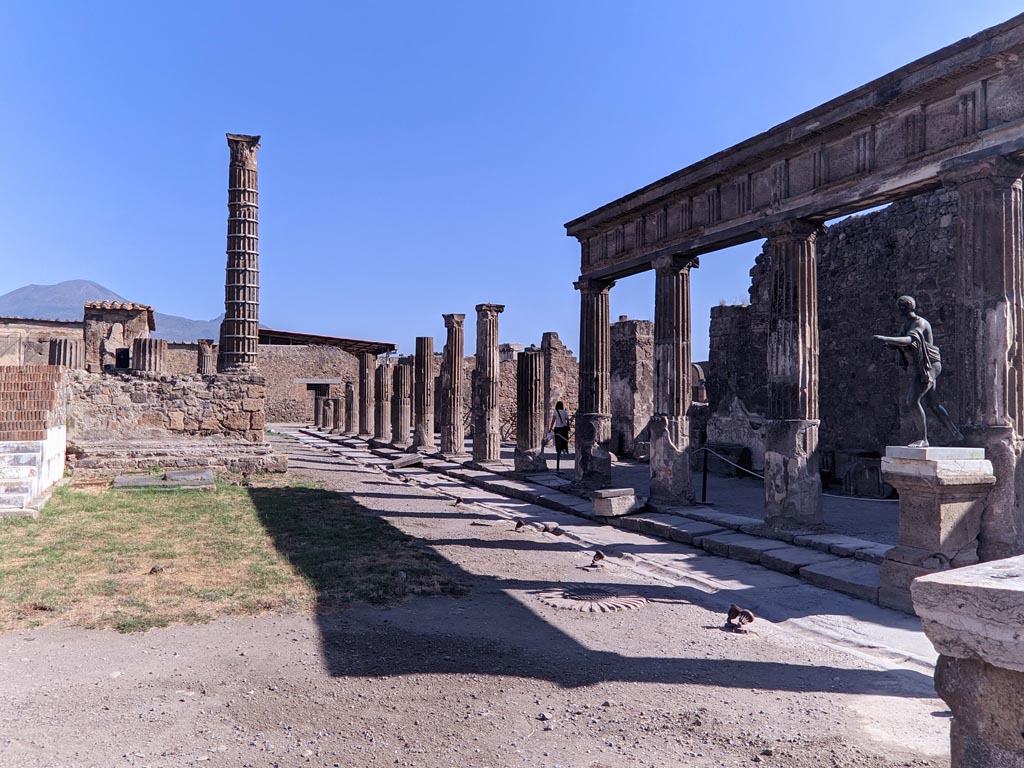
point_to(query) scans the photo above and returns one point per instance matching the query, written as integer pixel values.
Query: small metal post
(704, 479)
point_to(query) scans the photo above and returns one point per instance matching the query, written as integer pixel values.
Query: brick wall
(33, 399)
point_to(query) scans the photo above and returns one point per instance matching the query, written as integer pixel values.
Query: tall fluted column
(351, 419)
(239, 331)
(318, 411)
(149, 354)
(530, 426)
(367, 366)
(988, 338)
(338, 415)
(327, 419)
(401, 404)
(207, 356)
(382, 394)
(671, 480)
(594, 417)
(792, 483)
(453, 437)
(486, 416)
(423, 394)
(66, 352)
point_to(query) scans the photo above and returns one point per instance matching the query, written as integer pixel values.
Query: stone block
(692, 531)
(895, 579)
(176, 421)
(723, 519)
(739, 546)
(408, 460)
(614, 502)
(851, 577)
(835, 543)
(237, 422)
(789, 559)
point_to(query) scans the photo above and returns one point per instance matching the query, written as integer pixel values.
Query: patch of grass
(134, 560)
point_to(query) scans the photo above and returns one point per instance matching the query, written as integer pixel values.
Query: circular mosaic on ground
(578, 597)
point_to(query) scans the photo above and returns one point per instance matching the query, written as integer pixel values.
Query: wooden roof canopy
(353, 346)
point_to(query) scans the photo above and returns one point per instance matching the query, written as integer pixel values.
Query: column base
(593, 460)
(792, 485)
(671, 473)
(421, 441)
(530, 461)
(1002, 519)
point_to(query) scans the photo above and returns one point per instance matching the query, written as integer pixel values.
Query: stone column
(367, 366)
(594, 419)
(239, 331)
(401, 404)
(486, 416)
(989, 327)
(66, 352)
(318, 411)
(423, 394)
(207, 354)
(453, 437)
(337, 416)
(326, 423)
(972, 616)
(632, 386)
(351, 421)
(530, 426)
(148, 354)
(382, 395)
(671, 482)
(792, 483)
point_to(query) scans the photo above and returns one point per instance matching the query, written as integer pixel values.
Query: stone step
(8, 446)
(19, 459)
(15, 486)
(18, 500)
(18, 471)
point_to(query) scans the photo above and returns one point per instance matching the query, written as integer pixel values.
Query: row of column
(989, 318)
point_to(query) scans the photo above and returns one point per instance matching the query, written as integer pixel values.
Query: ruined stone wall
(181, 357)
(864, 264)
(121, 405)
(287, 369)
(632, 383)
(561, 376)
(27, 342)
(109, 330)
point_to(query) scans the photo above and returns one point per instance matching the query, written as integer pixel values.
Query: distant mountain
(64, 301)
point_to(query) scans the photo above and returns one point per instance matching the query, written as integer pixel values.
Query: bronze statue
(916, 347)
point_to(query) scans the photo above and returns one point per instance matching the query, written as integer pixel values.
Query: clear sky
(418, 157)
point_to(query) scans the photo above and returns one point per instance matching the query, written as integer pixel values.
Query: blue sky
(418, 158)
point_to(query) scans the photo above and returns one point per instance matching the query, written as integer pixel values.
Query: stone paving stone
(721, 519)
(873, 554)
(790, 559)
(836, 543)
(846, 575)
(751, 549)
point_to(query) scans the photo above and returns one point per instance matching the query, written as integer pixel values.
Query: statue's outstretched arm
(895, 341)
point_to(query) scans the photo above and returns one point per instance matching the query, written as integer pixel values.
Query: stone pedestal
(972, 616)
(337, 416)
(792, 483)
(942, 494)
(401, 404)
(367, 369)
(382, 398)
(206, 362)
(423, 395)
(453, 436)
(594, 420)
(149, 355)
(351, 421)
(486, 416)
(614, 502)
(530, 426)
(67, 352)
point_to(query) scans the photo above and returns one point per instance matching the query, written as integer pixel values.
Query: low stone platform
(841, 563)
(196, 479)
(124, 456)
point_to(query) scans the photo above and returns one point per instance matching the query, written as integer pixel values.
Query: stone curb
(833, 561)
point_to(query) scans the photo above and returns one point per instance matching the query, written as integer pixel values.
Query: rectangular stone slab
(790, 559)
(611, 493)
(933, 453)
(846, 575)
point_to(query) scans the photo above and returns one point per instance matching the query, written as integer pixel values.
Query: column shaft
(401, 404)
(149, 354)
(792, 482)
(367, 367)
(530, 426)
(382, 395)
(338, 415)
(594, 420)
(671, 480)
(453, 436)
(207, 356)
(351, 420)
(239, 331)
(66, 352)
(423, 394)
(486, 415)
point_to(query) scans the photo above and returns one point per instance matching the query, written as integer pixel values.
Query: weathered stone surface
(530, 426)
(622, 502)
(486, 399)
(593, 421)
(792, 482)
(846, 575)
(401, 404)
(790, 559)
(423, 394)
(452, 387)
(631, 382)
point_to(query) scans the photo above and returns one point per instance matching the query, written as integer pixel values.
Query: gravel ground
(497, 678)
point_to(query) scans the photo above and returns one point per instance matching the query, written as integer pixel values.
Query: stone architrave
(594, 419)
(382, 395)
(337, 415)
(530, 426)
(67, 353)
(989, 323)
(423, 395)
(367, 367)
(401, 404)
(239, 331)
(351, 419)
(486, 414)
(671, 480)
(791, 481)
(942, 494)
(453, 437)
(149, 355)
(972, 617)
(207, 356)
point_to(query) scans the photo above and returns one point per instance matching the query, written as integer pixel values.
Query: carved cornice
(995, 168)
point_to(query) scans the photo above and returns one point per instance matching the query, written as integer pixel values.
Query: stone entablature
(887, 139)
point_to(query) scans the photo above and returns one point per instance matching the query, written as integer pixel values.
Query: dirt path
(497, 678)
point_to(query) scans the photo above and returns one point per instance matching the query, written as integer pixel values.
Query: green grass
(134, 560)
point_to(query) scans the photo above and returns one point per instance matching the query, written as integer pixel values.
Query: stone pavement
(829, 559)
